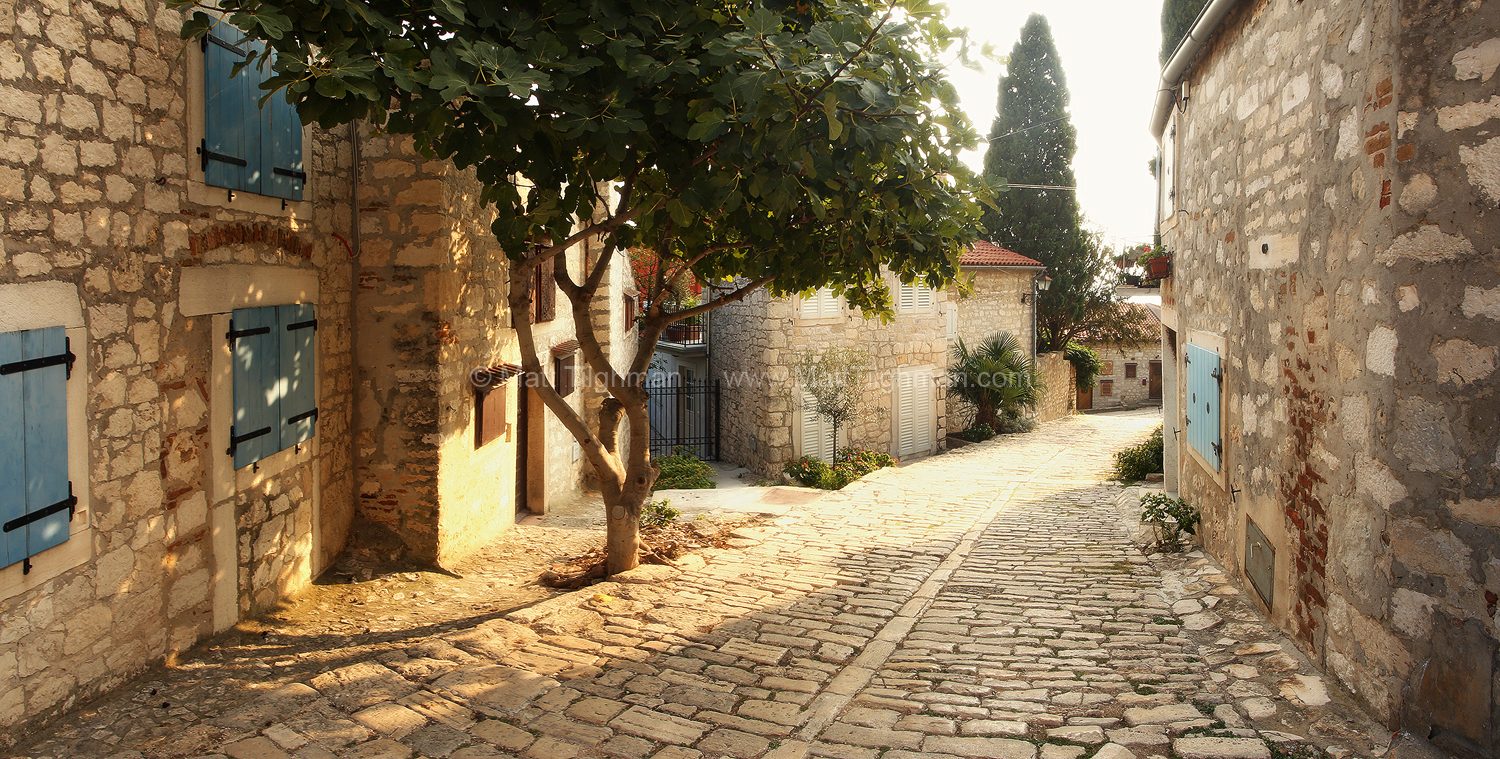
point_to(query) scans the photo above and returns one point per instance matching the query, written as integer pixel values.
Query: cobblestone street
(989, 602)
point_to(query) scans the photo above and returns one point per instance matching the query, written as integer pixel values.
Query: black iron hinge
(310, 414)
(313, 323)
(205, 155)
(66, 358)
(235, 334)
(1217, 374)
(1218, 449)
(293, 173)
(235, 440)
(69, 504)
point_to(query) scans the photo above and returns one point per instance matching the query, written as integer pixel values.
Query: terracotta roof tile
(989, 254)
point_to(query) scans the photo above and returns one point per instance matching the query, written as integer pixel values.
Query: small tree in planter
(1170, 517)
(834, 378)
(1156, 260)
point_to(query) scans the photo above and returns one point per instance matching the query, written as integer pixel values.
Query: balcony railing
(682, 333)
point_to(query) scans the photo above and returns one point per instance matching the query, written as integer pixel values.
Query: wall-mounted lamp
(1040, 284)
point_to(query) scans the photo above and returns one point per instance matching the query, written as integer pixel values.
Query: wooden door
(1085, 399)
(1154, 382)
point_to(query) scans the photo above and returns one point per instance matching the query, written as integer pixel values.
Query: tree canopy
(765, 143)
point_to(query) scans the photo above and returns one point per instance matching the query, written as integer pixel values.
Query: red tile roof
(989, 254)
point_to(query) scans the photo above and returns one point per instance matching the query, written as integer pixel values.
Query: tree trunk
(623, 532)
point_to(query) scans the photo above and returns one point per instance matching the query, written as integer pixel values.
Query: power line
(1009, 185)
(1027, 129)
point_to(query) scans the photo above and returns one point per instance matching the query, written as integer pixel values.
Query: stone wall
(434, 286)
(756, 345)
(1060, 396)
(106, 218)
(1336, 233)
(1127, 392)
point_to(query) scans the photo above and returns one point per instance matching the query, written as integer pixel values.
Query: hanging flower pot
(1159, 268)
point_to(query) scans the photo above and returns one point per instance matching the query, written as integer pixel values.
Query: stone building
(1331, 189)
(1132, 373)
(755, 345)
(225, 339)
(765, 421)
(1001, 297)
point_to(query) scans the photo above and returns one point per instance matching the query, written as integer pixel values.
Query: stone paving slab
(985, 603)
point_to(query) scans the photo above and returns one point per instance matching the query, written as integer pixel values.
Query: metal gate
(684, 414)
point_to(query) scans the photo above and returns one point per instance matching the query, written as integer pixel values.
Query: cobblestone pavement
(989, 602)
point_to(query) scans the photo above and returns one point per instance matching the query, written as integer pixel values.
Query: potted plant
(1171, 518)
(1156, 260)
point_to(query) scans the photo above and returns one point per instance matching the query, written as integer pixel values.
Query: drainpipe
(1208, 22)
(354, 312)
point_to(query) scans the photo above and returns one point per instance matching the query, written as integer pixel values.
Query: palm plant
(996, 378)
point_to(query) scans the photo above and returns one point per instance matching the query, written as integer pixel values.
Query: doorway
(1153, 385)
(523, 426)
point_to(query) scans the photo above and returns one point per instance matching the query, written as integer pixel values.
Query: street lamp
(1039, 283)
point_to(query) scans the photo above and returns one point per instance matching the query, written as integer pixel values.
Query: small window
(629, 310)
(1109, 368)
(1107, 388)
(247, 145)
(491, 420)
(564, 368)
(914, 297)
(822, 303)
(543, 293)
(275, 382)
(1130, 371)
(36, 497)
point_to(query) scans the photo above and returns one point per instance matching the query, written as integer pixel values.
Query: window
(564, 367)
(1109, 369)
(274, 350)
(952, 327)
(491, 420)
(915, 412)
(820, 304)
(1130, 370)
(629, 308)
(36, 495)
(1107, 388)
(543, 293)
(914, 297)
(1205, 387)
(247, 145)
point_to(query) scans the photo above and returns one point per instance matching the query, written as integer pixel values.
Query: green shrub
(658, 514)
(1172, 518)
(977, 433)
(850, 465)
(684, 471)
(1086, 363)
(1137, 461)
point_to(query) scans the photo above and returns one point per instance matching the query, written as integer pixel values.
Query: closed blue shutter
(44, 396)
(231, 131)
(12, 453)
(284, 176)
(1203, 401)
(299, 353)
(257, 391)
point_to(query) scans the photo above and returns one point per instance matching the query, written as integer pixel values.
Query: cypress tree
(1033, 142)
(1177, 17)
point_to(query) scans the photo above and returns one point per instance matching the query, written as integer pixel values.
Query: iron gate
(684, 414)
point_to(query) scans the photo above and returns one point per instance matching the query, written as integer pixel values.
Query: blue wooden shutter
(1203, 401)
(284, 176)
(230, 152)
(44, 397)
(255, 433)
(299, 355)
(12, 453)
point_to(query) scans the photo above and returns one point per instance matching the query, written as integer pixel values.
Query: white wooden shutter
(821, 304)
(914, 413)
(952, 321)
(913, 297)
(817, 433)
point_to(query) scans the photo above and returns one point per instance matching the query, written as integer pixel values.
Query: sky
(1109, 53)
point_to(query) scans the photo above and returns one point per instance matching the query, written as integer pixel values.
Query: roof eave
(1182, 59)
